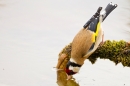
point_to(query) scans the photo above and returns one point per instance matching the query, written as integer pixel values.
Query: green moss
(116, 51)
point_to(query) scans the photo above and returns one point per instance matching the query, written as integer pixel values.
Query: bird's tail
(109, 8)
(93, 17)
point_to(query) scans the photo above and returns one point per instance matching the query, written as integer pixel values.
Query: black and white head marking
(72, 67)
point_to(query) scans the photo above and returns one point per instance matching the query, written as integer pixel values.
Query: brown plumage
(82, 43)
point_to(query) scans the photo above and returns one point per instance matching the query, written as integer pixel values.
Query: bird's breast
(81, 44)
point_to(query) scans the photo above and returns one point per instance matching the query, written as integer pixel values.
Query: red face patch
(70, 72)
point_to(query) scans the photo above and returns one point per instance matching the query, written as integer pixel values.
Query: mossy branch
(116, 51)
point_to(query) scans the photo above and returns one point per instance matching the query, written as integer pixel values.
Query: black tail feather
(109, 8)
(93, 17)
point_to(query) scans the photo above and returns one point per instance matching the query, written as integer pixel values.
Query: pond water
(33, 32)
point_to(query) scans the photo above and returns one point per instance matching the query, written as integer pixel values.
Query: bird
(87, 40)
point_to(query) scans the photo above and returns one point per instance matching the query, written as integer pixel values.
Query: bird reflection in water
(63, 81)
(62, 77)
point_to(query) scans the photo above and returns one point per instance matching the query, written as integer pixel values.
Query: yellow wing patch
(96, 33)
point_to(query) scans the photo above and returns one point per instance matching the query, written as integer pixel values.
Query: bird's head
(72, 67)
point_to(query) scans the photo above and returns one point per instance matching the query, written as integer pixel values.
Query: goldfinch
(87, 40)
